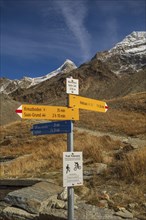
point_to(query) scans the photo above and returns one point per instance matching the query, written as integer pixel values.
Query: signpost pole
(72, 87)
(70, 190)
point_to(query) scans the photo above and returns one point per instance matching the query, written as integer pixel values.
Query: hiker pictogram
(67, 168)
(76, 166)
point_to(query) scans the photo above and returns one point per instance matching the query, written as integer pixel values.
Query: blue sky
(37, 36)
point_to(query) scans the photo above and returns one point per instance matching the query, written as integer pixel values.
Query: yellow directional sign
(87, 104)
(47, 112)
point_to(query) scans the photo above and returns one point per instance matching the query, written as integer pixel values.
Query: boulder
(40, 202)
(53, 202)
(53, 214)
(84, 211)
(32, 198)
(60, 204)
(124, 214)
(63, 195)
(12, 213)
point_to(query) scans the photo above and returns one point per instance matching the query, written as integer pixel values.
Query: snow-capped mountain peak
(133, 43)
(127, 56)
(67, 66)
(8, 86)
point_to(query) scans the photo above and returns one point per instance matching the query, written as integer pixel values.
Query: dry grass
(126, 115)
(44, 153)
(116, 121)
(33, 158)
(95, 147)
(133, 165)
(40, 154)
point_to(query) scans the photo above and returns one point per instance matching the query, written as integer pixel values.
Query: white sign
(72, 86)
(72, 169)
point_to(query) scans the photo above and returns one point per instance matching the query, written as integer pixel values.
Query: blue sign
(55, 124)
(57, 127)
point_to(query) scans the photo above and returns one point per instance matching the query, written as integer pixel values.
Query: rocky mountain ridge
(8, 86)
(127, 56)
(110, 74)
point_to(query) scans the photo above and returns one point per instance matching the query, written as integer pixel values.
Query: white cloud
(75, 14)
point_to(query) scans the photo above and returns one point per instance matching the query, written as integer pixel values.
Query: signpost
(72, 87)
(72, 161)
(72, 169)
(47, 112)
(58, 127)
(87, 104)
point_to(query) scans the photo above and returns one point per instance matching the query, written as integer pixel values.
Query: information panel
(72, 86)
(72, 169)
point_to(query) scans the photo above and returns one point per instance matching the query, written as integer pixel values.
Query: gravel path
(134, 141)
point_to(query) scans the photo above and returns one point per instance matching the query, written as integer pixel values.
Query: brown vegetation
(37, 154)
(126, 115)
(41, 156)
(133, 166)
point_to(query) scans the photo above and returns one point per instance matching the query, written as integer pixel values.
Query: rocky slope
(128, 56)
(95, 81)
(7, 109)
(47, 201)
(8, 86)
(111, 74)
(117, 72)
